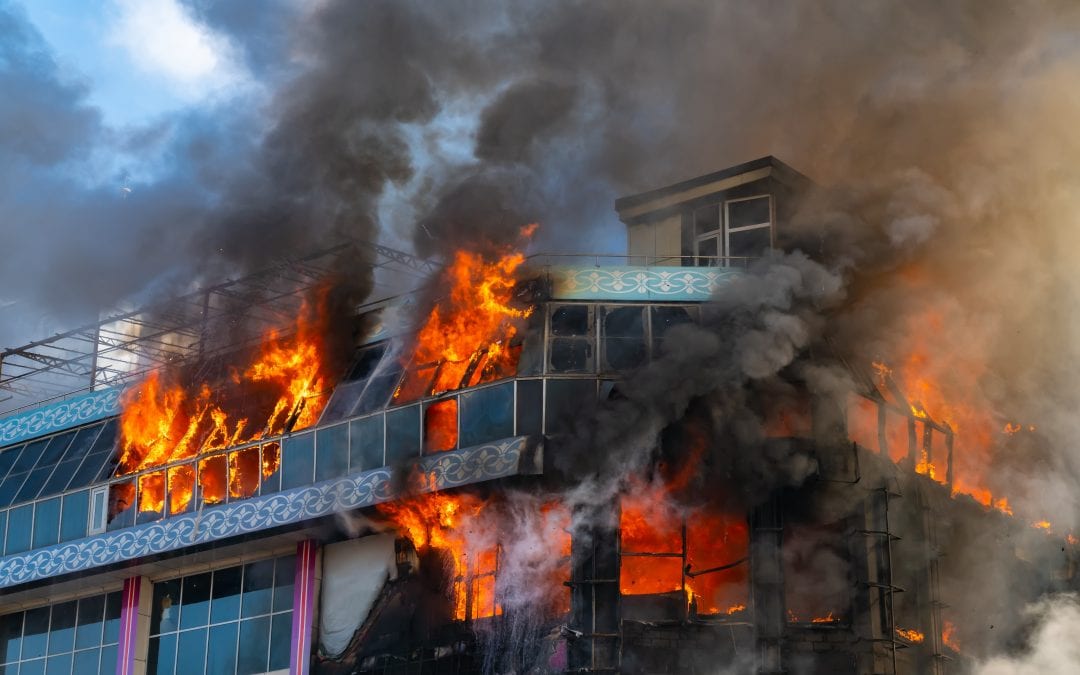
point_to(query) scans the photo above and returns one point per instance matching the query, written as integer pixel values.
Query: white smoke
(1053, 647)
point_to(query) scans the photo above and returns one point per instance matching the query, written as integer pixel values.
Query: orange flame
(465, 340)
(162, 421)
(1041, 525)
(948, 636)
(828, 618)
(910, 634)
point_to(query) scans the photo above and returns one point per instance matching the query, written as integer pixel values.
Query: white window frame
(723, 233)
(97, 514)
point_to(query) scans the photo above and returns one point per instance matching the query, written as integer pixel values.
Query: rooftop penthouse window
(733, 230)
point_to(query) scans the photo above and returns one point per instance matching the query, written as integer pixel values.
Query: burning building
(658, 462)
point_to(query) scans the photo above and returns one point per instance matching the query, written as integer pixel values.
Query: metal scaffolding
(124, 346)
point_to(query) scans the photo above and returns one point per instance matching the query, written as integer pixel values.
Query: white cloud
(163, 39)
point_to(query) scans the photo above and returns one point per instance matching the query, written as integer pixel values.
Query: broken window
(623, 337)
(817, 566)
(441, 425)
(664, 317)
(571, 345)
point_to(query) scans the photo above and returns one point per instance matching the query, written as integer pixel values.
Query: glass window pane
(191, 652)
(271, 468)
(748, 212)
(213, 480)
(663, 318)
(195, 601)
(10, 487)
(441, 425)
(221, 650)
(161, 656)
(35, 633)
(571, 321)
(298, 461)
(73, 522)
(280, 641)
(33, 484)
(366, 362)
(254, 646)
(109, 660)
(88, 629)
(58, 665)
(366, 444)
(86, 662)
(61, 477)
(566, 399)
(121, 505)
(623, 332)
(571, 355)
(81, 445)
(35, 667)
(530, 406)
(62, 632)
(258, 588)
(244, 473)
(111, 632)
(106, 440)
(487, 415)
(7, 458)
(181, 484)
(342, 401)
(709, 250)
(88, 471)
(749, 243)
(10, 637)
(20, 521)
(402, 433)
(29, 456)
(47, 522)
(165, 607)
(56, 448)
(225, 602)
(707, 219)
(284, 575)
(332, 452)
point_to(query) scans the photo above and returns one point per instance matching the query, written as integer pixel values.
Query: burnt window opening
(473, 590)
(624, 344)
(441, 425)
(571, 348)
(817, 573)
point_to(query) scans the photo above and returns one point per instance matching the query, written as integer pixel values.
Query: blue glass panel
(3, 533)
(7, 458)
(165, 607)
(60, 478)
(221, 650)
(109, 660)
(366, 444)
(378, 390)
(191, 652)
(271, 457)
(74, 516)
(195, 601)
(280, 641)
(46, 522)
(331, 452)
(29, 456)
(62, 630)
(107, 439)
(88, 471)
(284, 575)
(111, 632)
(55, 450)
(402, 433)
(10, 487)
(161, 656)
(35, 633)
(298, 461)
(486, 415)
(10, 637)
(342, 402)
(254, 646)
(34, 482)
(20, 522)
(58, 665)
(35, 667)
(121, 505)
(530, 407)
(86, 662)
(258, 588)
(88, 628)
(225, 600)
(82, 443)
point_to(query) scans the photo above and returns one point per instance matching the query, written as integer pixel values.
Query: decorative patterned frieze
(666, 284)
(58, 416)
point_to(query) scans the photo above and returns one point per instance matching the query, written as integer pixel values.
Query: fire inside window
(737, 228)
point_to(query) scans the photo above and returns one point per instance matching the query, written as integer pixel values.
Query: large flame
(163, 421)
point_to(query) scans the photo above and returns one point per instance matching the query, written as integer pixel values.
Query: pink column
(129, 625)
(303, 607)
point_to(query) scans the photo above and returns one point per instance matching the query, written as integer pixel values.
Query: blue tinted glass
(402, 434)
(195, 601)
(225, 600)
(258, 587)
(280, 640)
(81, 445)
(109, 660)
(161, 655)
(378, 391)
(10, 637)
(35, 633)
(34, 482)
(283, 583)
(10, 487)
(366, 444)
(530, 407)
(3, 531)
(29, 456)
(7, 458)
(271, 457)
(59, 665)
(107, 439)
(221, 650)
(20, 521)
(88, 471)
(332, 452)
(342, 402)
(111, 633)
(47, 522)
(298, 462)
(254, 647)
(62, 631)
(74, 517)
(60, 478)
(191, 652)
(88, 629)
(55, 450)
(86, 662)
(165, 607)
(35, 667)
(487, 415)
